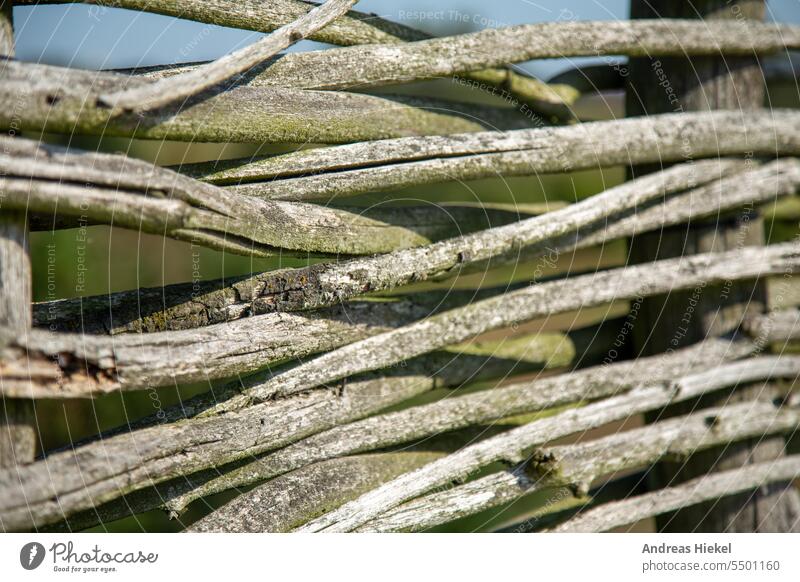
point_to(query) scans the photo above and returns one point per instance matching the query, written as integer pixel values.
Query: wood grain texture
(701, 489)
(128, 193)
(576, 466)
(292, 499)
(384, 64)
(540, 300)
(473, 409)
(777, 70)
(45, 364)
(512, 446)
(347, 170)
(328, 283)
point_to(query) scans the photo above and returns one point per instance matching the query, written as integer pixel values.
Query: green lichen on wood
(60, 100)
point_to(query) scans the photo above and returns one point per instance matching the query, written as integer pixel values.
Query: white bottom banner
(371, 557)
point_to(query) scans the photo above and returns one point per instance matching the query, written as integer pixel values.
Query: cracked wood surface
(86, 365)
(206, 446)
(538, 300)
(701, 84)
(215, 301)
(18, 430)
(358, 230)
(393, 347)
(292, 499)
(44, 364)
(58, 365)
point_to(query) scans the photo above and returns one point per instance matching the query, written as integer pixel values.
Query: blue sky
(96, 37)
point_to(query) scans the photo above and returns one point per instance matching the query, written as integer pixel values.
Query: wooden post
(17, 426)
(676, 85)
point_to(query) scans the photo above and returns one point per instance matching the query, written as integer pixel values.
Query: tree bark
(680, 84)
(17, 428)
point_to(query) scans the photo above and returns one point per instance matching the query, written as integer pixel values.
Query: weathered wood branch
(191, 83)
(552, 145)
(347, 170)
(57, 365)
(355, 28)
(61, 100)
(112, 189)
(743, 189)
(17, 419)
(43, 364)
(68, 365)
(377, 65)
(540, 300)
(749, 188)
(292, 499)
(174, 494)
(513, 445)
(700, 84)
(181, 306)
(433, 58)
(369, 230)
(326, 284)
(461, 411)
(152, 498)
(252, 227)
(706, 488)
(482, 360)
(122, 464)
(215, 302)
(566, 465)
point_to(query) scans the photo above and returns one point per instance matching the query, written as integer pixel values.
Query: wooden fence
(333, 402)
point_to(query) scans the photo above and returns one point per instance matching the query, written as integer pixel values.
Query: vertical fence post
(662, 323)
(17, 428)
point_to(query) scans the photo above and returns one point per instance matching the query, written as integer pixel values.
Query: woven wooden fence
(359, 392)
